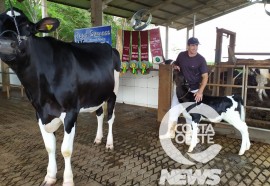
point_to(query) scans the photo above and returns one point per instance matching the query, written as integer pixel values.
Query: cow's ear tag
(47, 25)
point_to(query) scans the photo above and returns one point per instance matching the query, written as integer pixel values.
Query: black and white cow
(60, 79)
(229, 108)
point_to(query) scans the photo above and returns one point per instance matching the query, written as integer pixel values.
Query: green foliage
(70, 19)
(31, 8)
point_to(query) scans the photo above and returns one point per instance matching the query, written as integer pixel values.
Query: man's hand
(176, 67)
(198, 96)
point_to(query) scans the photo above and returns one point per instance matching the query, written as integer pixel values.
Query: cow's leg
(235, 120)
(111, 116)
(264, 93)
(67, 146)
(100, 116)
(260, 94)
(50, 145)
(194, 136)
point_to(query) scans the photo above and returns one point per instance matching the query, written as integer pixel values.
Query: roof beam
(80, 4)
(160, 5)
(232, 8)
(105, 4)
(194, 10)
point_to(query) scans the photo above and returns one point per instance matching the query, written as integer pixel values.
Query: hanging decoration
(126, 51)
(144, 64)
(156, 46)
(133, 66)
(134, 52)
(135, 56)
(124, 67)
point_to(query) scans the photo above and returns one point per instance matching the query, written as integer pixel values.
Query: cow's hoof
(98, 141)
(241, 153)
(172, 134)
(49, 181)
(190, 149)
(68, 184)
(109, 146)
(248, 146)
(187, 142)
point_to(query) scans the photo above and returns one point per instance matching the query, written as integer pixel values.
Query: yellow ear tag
(49, 27)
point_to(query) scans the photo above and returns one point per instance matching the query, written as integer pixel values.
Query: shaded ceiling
(176, 14)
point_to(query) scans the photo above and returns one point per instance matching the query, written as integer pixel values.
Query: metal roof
(176, 14)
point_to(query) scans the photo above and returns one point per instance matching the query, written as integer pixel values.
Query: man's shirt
(192, 68)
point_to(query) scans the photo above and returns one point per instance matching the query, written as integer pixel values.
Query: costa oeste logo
(167, 131)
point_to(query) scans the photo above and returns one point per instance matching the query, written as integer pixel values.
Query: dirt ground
(137, 159)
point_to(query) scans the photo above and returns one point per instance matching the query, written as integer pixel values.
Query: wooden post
(217, 61)
(164, 90)
(230, 70)
(96, 12)
(4, 67)
(44, 12)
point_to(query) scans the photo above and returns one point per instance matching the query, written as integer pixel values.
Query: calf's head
(178, 78)
(16, 28)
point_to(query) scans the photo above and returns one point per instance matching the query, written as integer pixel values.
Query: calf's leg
(234, 119)
(171, 121)
(194, 136)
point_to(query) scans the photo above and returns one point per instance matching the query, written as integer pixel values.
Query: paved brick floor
(137, 159)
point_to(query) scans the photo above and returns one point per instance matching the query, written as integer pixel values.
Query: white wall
(141, 90)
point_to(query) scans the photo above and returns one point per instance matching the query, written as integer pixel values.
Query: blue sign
(101, 34)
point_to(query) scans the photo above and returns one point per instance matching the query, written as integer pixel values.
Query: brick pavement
(137, 158)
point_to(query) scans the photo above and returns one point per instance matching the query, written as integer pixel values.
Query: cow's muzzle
(8, 47)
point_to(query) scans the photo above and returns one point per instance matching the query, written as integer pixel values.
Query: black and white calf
(229, 108)
(60, 79)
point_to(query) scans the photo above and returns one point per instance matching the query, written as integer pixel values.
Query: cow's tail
(240, 107)
(116, 60)
(117, 66)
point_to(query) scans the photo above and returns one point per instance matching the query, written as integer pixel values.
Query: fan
(141, 19)
(266, 8)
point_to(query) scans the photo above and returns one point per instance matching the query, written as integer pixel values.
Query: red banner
(135, 46)
(144, 45)
(156, 46)
(126, 48)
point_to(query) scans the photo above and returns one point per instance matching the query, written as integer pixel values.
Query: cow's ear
(47, 25)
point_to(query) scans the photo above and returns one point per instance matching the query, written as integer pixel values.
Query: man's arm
(199, 95)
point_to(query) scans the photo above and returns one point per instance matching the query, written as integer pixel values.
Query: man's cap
(193, 41)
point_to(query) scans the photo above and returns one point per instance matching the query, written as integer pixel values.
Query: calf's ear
(47, 25)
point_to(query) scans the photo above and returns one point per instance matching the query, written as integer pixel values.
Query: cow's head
(15, 28)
